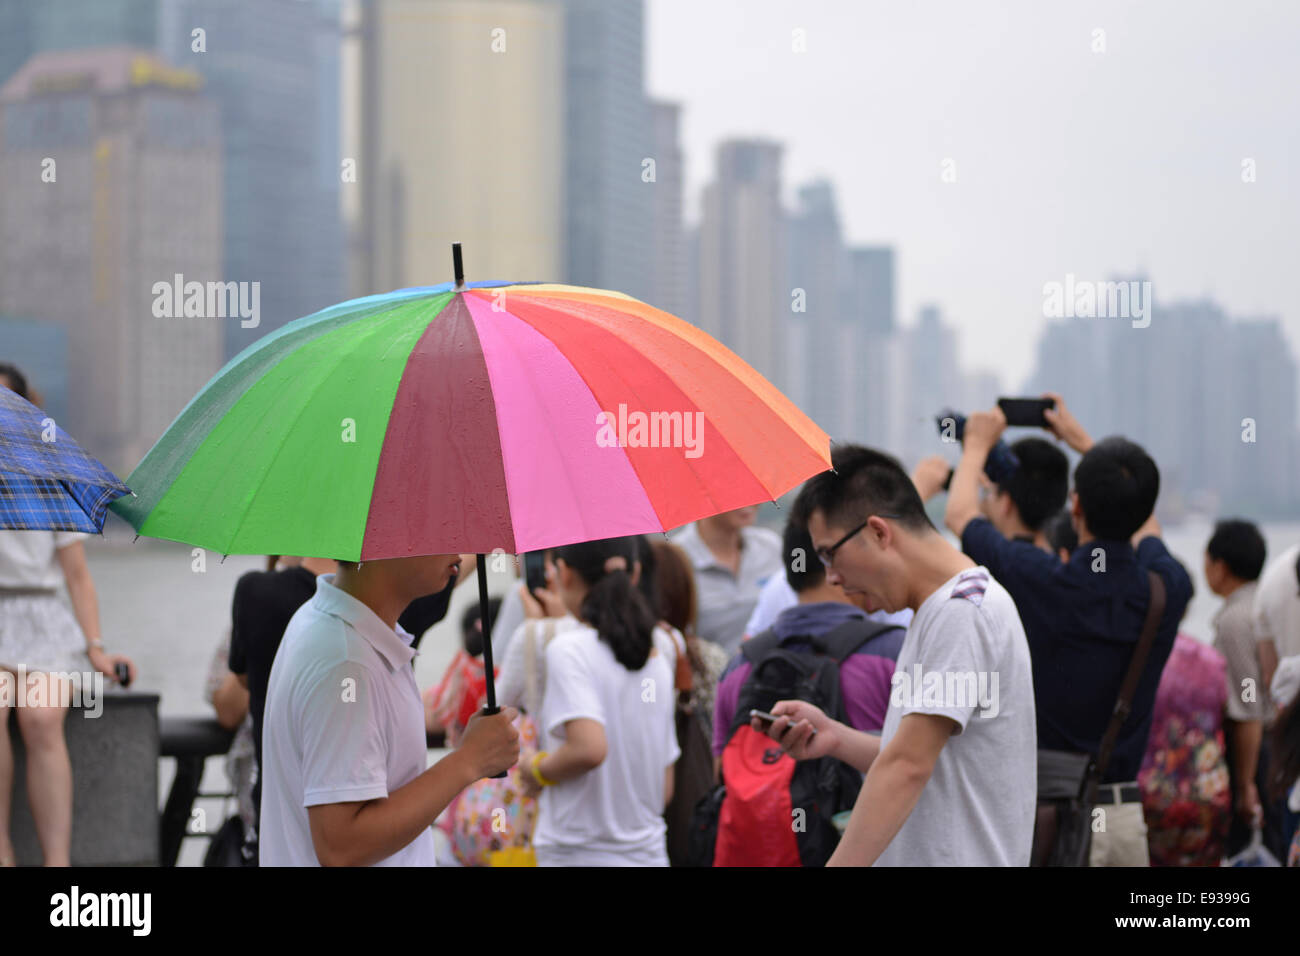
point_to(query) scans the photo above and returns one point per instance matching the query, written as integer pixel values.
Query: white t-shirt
(29, 559)
(344, 722)
(612, 815)
(512, 676)
(1276, 615)
(978, 807)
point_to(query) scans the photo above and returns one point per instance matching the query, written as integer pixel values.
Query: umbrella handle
(485, 614)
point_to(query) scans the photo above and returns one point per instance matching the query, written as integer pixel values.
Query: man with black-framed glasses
(951, 780)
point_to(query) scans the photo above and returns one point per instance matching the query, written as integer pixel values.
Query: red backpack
(774, 810)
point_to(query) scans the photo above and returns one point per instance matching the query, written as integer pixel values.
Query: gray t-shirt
(965, 657)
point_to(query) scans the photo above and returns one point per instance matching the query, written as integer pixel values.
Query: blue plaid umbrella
(48, 485)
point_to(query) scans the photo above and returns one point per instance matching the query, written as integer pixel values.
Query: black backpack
(770, 809)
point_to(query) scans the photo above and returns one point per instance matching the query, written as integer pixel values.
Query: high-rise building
(111, 161)
(868, 309)
(869, 288)
(608, 136)
(40, 349)
(929, 381)
(817, 369)
(668, 279)
(272, 67)
(743, 299)
(462, 139)
(1212, 400)
(28, 28)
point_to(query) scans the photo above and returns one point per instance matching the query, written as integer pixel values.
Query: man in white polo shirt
(343, 738)
(733, 559)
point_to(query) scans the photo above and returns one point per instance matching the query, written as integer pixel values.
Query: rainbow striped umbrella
(469, 418)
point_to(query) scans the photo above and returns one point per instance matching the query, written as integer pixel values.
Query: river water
(167, 610)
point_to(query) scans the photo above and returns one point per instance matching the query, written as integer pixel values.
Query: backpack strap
(844, 641)
(840, 642)
(1123, 703)
(758, 646)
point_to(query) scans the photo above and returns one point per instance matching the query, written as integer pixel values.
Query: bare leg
(7, 856)
(49, 771)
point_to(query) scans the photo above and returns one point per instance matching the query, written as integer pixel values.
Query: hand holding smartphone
(767, 720)
(535, 571)
(1026, 412)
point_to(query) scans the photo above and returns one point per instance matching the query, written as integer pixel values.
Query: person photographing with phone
(1086, 619)
(950, 781)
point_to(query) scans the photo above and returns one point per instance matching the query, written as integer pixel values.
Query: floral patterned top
(1186, 793)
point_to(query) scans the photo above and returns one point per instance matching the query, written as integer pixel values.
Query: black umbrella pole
(485, 615)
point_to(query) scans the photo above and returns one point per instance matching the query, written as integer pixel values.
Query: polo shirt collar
(393, 646)
(701, 554)
(1243, 595)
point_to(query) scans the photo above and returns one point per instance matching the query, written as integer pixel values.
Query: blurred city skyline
(865, 201)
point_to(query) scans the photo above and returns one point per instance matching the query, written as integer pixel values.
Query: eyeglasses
(827, 555)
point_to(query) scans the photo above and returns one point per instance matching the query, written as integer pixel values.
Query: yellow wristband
(537, 771)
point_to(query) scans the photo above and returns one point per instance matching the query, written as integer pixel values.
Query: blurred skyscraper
(743, 297)
(608, 135)
(111, 162)
(40, 349)
(272, 66)
(1213, 400)
(929, 381)
(813, 326)
(461, 132)
(873, 370)
(668, 274)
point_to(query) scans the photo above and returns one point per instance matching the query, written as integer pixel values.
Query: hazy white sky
(1066, 160)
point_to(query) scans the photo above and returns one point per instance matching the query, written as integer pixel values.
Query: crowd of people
(859, 689)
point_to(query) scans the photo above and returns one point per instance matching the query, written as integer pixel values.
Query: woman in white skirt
(40, 638)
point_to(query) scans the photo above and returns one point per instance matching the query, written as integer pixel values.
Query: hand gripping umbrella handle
(485, 615)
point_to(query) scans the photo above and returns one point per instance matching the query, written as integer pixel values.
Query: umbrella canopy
(470, 418)
(47, 482)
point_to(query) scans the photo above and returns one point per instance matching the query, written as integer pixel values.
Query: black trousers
(1274, 810)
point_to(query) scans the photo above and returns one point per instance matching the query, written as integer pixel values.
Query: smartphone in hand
(535, 571)
(1026, 412)
(768, 720)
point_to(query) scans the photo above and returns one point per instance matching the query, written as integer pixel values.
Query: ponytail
(617, 611)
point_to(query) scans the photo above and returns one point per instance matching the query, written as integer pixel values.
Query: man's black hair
(862, 482)
(1040, 486)
(1117, 483)
(797, 544)
(1240, 546)
(1060, 533)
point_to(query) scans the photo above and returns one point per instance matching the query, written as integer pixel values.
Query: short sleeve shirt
(29, 559)
(1277, 604)
(344, 722)
(965, 657)
(614, 812)
(1234, 638)
(1083, 619)
(727, 598)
